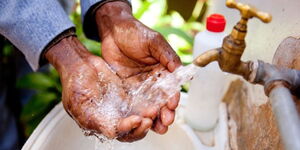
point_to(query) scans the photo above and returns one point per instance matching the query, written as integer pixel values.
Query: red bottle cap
(215, 23)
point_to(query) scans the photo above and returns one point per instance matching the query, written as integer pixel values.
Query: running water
(154, 90)
(164, 87)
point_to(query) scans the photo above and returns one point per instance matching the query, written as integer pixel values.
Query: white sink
(58, 131)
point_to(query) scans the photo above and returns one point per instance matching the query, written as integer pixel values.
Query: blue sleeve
(88, 8)
(32, 24)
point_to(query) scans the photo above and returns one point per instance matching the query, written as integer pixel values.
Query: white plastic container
(207, 87)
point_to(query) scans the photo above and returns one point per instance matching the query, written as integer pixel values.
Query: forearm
(31, 25)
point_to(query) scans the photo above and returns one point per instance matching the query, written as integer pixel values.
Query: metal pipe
(267, 74)
(286, 116)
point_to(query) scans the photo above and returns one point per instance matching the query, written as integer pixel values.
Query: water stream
(154, 90)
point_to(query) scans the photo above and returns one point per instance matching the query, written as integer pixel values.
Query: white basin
(58, 131)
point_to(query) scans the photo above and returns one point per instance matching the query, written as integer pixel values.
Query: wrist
(66, 53)
(111, 14)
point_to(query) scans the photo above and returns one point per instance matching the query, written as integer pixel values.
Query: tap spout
(207, 57)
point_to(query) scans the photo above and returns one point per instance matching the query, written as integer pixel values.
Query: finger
(129, 123)
(163, 52)
(173, 101)
(159, 128)
(167, 116)
(150, 112)
(143, 129)
(137, 133)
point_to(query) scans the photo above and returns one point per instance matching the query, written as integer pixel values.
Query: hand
(93, 95)
(136, 52)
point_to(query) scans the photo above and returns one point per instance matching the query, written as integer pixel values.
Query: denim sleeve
(88, 8)
(31, 24)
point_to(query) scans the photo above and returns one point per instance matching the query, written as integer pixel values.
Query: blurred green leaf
(164, 21)
(37, 105)
(53, 74)
(144, 7)
(32, 124)
(165, 31)
(185, 87)
(193, 26)
(92, 46)
(7, 50)
(185, 52)
(186, 59)
(37, 81)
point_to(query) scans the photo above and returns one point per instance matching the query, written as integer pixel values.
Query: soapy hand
(135, 53)
(94, 96)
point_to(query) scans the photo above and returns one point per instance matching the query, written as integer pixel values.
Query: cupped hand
(93, 94)
(136, 53)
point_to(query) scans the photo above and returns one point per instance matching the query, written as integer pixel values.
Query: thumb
(162, 51)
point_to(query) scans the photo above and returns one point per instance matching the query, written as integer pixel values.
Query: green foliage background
(153, 13)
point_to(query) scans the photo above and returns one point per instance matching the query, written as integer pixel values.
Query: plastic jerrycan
(206, 90)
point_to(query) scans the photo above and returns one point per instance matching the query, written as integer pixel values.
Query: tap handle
(248, 11)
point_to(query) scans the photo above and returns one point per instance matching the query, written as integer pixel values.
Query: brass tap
(229, 55)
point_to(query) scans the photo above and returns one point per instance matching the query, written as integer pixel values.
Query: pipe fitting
(271, 76)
